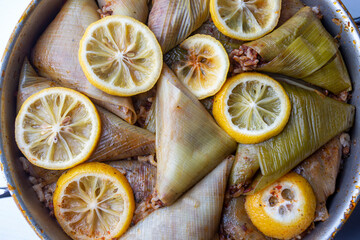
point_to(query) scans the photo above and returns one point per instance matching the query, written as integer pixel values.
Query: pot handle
(4, 192)
(357, 21)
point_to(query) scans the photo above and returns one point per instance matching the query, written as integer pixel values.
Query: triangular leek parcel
(189, 144)
(302, 48)
(173, 21)
(314, 120)
(118, 139)
(196, 215)
(55, 55)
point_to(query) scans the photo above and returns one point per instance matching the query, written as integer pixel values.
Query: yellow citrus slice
(57, 128)
(93, 201)
(120, 56)
(204, 67)
(252, 107)
(283, 210)
(245, 19)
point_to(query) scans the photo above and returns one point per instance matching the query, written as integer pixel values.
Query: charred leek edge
(333, 76)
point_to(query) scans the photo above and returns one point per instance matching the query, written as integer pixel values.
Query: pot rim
(4, 165)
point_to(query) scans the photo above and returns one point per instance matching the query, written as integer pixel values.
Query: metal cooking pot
(41, 12)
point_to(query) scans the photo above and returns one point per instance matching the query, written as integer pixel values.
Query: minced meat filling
(244, 59)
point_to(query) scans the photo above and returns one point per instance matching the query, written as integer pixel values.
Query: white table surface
(13, 225)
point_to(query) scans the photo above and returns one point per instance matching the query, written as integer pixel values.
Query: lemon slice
(93, 201)
(245, 19)
(283, 210)
(204, 67)
(252, 107)
(57, 128)
(120, 56)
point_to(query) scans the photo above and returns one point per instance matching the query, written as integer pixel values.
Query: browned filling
(244, 59)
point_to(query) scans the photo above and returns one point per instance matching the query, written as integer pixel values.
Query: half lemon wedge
(93, 201)
(120, 56)
(252, 107)
(245, 19)
(204, 66)
(284, 209)
(57, 128)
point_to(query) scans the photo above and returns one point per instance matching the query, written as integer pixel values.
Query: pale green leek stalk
(118, 139)
(189, 143)
(195, 215)
(314, 120)
(302, 48)
(55, 55)
(173, 21)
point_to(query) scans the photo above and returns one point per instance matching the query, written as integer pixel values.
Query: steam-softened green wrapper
(325, 76)
(272, 45)
(302, 57)
(118, 139)
(55, 55)
(173, 21)
(301, 48)
(189, 143)
(314, 120)
(245, 166)
(195, 215)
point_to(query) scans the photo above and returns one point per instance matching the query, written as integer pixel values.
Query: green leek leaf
(314, 120)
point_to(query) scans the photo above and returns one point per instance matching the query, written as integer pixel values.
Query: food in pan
(200, 146)
(252, 107)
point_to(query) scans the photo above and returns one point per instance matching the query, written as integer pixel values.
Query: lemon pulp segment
(93, 201)
(245, 19)
(205, 66)
(120, 56)
(252, 107)
(57, 128)
(284, 209)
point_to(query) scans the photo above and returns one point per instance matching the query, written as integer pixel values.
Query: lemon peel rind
(224, 29)
(223, 118)
(100, 170)
(254, 207)
(111, 89)
(86, 153)
(223, 70)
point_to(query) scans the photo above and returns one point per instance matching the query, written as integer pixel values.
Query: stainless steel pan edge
(343, 202)
(40, 13)
(34, 20)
